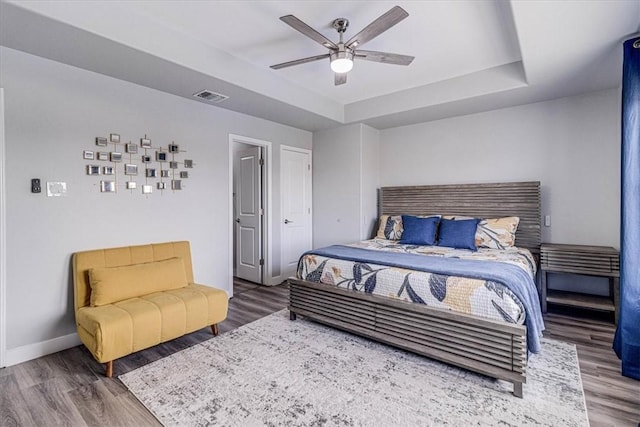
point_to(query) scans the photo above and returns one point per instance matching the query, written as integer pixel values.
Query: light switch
(547, 220)
(35, 185)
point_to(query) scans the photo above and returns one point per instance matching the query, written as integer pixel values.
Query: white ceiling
(429, 33)
(471, 56)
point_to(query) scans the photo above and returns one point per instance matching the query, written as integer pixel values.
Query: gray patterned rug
(278, 372)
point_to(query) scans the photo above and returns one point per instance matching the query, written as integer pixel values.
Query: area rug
(279, 372)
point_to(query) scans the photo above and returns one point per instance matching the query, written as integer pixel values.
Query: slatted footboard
(492, 348)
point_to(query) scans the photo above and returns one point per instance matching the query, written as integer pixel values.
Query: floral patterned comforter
(478, 297)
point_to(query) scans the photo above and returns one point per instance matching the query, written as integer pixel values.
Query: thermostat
(56, 189)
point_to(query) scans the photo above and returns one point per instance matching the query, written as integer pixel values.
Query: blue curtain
(627, 340)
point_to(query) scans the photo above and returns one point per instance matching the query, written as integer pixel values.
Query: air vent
(211, 96)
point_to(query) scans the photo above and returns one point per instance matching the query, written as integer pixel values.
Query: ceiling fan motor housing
(340, 24)
(342, 53)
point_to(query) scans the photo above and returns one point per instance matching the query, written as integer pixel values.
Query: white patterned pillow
(390, 227)
(497, 233)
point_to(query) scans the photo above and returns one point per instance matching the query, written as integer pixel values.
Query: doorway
(250, 206)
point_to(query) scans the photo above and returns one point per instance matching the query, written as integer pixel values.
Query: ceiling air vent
(211, 96)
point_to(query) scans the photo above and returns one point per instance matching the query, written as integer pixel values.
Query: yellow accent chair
(131, 298)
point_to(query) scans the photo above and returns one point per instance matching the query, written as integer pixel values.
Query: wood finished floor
(69, 387)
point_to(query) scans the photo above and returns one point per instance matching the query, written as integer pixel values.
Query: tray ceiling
(471, 56)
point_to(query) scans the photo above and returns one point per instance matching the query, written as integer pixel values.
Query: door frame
(267, 228)
(3, 242)
(281, 222)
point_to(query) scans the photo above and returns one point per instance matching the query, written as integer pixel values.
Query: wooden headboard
(521, 199)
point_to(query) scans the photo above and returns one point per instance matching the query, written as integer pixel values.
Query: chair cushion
(113, 284)
(114, 330)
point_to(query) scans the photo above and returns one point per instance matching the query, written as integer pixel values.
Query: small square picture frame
(108, 170)
(165, 173)
(93, 170)
(130, 169)
(161, 156)
(88, 155)
(114, 137)
(101, 142)
(174, 148)
(116, 156)
(184, 174)
(131, 185)
(102, 155)
(147, 189)
(176, 184)
(162, 186)
(145, 143)
(150, 173)
(107, 186)
(146, 159)
(188, 163)
(173, 165)
(131, 148)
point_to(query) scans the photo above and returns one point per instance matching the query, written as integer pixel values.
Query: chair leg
(214, 330)
(292, 315)
(109, 370)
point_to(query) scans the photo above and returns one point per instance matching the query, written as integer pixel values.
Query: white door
(295, 166)
(249, 213)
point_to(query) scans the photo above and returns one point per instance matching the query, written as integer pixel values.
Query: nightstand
(600, 261)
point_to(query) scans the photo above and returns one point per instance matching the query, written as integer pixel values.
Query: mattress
(475, 296)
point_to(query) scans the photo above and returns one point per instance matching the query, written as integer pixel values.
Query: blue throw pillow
(459, 234)
(419, 231)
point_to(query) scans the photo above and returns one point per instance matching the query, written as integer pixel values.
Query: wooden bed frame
(489, 347)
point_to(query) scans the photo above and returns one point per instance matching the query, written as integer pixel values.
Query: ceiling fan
(342, 54)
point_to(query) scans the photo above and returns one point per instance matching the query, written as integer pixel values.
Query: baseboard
(271, 281)
(274, 281)
(39, 349)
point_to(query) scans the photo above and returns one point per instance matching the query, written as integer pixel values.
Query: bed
(472, 339)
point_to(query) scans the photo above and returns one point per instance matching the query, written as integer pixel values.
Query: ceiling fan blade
(340, 78)
(300, 61)
(377, 27)
(385, 57)
(308, 31)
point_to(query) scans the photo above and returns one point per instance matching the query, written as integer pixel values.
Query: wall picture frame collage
(136, 163)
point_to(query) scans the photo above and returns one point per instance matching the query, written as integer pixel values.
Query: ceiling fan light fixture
(342, 54)
(341, 61)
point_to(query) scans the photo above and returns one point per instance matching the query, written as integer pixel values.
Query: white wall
(345, 182)
(571, 145)
(370, 158)
(53, 112)
(3, 248)
(336, 185)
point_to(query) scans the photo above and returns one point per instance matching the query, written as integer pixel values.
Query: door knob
(238, 220)
(286, 221)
